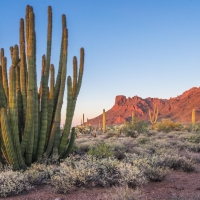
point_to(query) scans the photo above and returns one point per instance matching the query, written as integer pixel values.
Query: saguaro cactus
(30, 120)
(154, 115)
(193, 119)
(133, 118)
(104, 121)
(83, 119)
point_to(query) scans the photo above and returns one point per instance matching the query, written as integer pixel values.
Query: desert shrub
(178, 162)
(133, 129)
(101, 150)
(40, 173)
(191, 155)
(4, 168)
(122, 192)
(112, 134)
(141, 139)
(193, 138)
(152, 167)
(91, 171)
(74, 171)
(166, 125)
(131, 174)
(194, 147)
(85, 146)
(189, 127)
(13, 183)
(149, 165)
(85, 171)
(119, 153)
(84, 129)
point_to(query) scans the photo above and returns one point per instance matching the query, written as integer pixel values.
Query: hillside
(178, 108)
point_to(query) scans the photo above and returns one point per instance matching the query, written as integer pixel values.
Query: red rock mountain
(177, 109)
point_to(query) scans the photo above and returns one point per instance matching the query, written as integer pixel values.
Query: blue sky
(149, 48)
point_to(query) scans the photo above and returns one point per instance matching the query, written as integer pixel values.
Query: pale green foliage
(166, 125)
(141, 139)
(88, 170)
(194, 138)
(40, 173)
(150, 166)
(13, 183)
(101, 150)
(133, 129)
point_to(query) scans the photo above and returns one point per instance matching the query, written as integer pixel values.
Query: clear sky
(149, 48)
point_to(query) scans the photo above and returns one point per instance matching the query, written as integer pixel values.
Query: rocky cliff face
(177, 109)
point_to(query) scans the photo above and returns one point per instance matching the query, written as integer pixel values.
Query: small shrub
(119, 149)
(131, 175)
(166, 125)
(193, 138)
(102, 150)
(150, 166)
(142, 139)
(112, 134)
(178, 162)
(12, 183)
(133, 129)
(40, 173)
(121, 193)
(85, 146)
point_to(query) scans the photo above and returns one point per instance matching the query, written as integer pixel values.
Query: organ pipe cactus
(30, 119)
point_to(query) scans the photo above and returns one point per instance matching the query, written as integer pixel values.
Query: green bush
(193, 138)
(135, 128)
(141, 139)
(166, 125)
(101, 150)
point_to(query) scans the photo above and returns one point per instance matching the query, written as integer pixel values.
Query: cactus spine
(104, 121)
(30, 120)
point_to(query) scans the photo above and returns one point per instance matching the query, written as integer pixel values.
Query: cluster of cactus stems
(153, 115)
(30, 117)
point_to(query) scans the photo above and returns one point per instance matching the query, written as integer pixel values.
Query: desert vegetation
(126, 156)
(35, 151)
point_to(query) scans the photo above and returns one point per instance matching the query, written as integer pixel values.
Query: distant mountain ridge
(178, 108)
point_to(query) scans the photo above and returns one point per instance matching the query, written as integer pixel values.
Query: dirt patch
(176, 185)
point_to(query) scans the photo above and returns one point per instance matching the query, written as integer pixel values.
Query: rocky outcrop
(177, 109)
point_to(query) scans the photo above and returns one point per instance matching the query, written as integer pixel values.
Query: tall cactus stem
(23, 69)
(4, 76)
(104, 121)
(44, 101)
